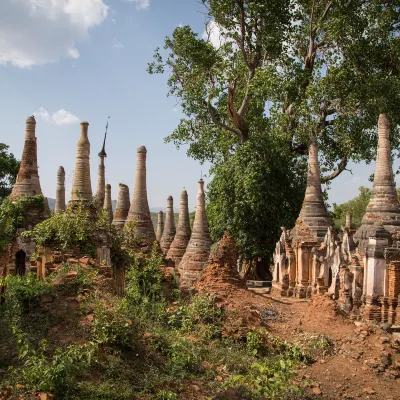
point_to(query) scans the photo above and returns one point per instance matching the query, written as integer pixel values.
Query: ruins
(108, 203)
(183, 233)
(60, 191)
(122, 207)
(169, 228)
(82, 186)
(198, 248)
(160, 226)
(139, 211)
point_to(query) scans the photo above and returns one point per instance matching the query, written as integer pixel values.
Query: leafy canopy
(8, 171)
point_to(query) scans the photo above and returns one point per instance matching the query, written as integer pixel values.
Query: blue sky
(68, 61)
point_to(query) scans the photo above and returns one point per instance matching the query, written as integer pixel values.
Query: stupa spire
(169, 229)
(198, 249)
(314, 214)
(123, 204)
(383, 205)
(183, 232)
(60, 191)
(108, 203)
(27, 182)
(82, 187)
(160, 226)
(101, 177)
(139, 210)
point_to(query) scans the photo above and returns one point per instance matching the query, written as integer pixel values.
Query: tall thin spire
(169, 228)
(60, 191)
(101, 178)
(314, 214)
(160, 226)
(183, 232)
(108, 203)
(383, 205)
(82, 186)
(139, 210)
(27, 182)
(198, 249)
(123, 204)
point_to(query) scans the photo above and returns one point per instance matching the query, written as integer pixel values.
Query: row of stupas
(359, 269)
(184, 248)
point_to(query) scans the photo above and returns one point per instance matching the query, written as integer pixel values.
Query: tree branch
(341, 167)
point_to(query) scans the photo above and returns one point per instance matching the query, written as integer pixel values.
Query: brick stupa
(108, 203)
(82, 186)
(169, 227)
(101, 175)
(183, 232)
(198, 249)
(160, 226)
(139, 211)
(383, 205)
(123, 205)
(60, 191)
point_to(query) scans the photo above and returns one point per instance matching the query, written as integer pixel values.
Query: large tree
(8, 171)
(285, 69)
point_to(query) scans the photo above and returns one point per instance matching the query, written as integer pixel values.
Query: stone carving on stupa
(60, 191)
(169, 227)
(183, 232)
(122, 207)
(198, 249)
(139, 211)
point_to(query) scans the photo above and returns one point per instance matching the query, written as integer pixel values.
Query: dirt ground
(366, 359)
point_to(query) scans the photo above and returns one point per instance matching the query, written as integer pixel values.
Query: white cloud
(60, 117)
(118, 44)
(213, 33)
(36, 32)
(141, 4)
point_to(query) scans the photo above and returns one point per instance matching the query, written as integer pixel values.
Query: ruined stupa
(82, 187)
(169, 228)
(348, 223)
(122, 208)
(198, 249)
(139, 211)
(183, 232)
(108, 204)
(101, 177)
(160, 226)
(60, 191)
(27, 182)
(313, 219)
(384, 205)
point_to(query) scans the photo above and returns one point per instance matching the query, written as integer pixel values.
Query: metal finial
(103, 150)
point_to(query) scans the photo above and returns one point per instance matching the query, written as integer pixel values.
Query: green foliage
(246, 198)
(50, 374)
(270, 379)
(9, 167)
(13, 215)
(70, 230)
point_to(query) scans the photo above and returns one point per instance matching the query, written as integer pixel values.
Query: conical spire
(384, 204)
(313, 212)
(27, 182)
(82, 187)
(60, 191)
(101, 177)
(160, 226)
(198, 249)
(139, 210)
(122, 208)
(108, 204)
(169, 229)
(183, 232)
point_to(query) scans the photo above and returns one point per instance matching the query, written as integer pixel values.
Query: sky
(67, 61)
